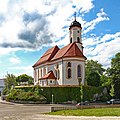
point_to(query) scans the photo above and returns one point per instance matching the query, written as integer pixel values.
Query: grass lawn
(89, 112)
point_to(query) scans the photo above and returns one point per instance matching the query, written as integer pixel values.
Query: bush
(21, 95)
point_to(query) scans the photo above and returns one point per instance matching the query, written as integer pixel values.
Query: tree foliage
(93, 72)
(94, 66)
(10, 81)
(114, 73)
(112, 92)
(24, 78)
(93, 79)
(105, 80)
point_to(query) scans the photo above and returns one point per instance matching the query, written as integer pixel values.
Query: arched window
(71, 40)
(69, 74)
(78, 39)
(41, 72)
(69, 64)
(79, 71)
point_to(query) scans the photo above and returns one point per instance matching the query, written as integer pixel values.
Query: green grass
(89, 112)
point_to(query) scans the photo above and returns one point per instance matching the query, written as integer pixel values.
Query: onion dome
(75, 23)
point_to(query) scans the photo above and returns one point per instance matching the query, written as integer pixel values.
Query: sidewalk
(5, 102)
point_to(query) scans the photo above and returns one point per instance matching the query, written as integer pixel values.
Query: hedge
(64, 93)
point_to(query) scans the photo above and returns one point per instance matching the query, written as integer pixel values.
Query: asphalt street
(36, 112)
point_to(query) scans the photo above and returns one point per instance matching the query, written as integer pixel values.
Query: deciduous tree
(114, 73)
(93, 72)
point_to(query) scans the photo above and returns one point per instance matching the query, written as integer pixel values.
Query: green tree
(93, 79)
(94, 71)
(112, 93)
(10, 81)
(24, 79)
(114, 73)
(94, 66)
(105, 80)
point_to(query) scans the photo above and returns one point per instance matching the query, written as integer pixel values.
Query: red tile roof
(49, 75)
(48, 55)
(71, 50)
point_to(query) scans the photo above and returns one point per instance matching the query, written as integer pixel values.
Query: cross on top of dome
(75, 23)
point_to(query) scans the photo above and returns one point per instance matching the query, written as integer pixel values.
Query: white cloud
(4, 51)
(14, 60)
(22, 70)
(3, 6)
(54, 11)
(105, 49)
(84, 5)
(101, 16)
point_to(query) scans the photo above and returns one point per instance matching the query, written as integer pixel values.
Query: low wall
(53, 109)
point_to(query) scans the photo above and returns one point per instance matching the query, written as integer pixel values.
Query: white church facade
(65, 66)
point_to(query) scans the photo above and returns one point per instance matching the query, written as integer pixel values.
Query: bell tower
(75, 30)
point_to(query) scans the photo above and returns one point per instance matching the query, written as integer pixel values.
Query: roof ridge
(53, 51)
(69, 47)
(47, 55)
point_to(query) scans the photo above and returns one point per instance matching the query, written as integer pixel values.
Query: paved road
(33, 112)
(21, 112)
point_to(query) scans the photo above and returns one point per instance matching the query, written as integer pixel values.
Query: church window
(71, 40)
(69, 75)
(41, 72)
(69, 64)
(78, 39)
(79, 71)
(57, 66)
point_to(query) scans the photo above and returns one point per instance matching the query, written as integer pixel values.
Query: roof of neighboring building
(48, 55)
(49, 75)
(71, 50)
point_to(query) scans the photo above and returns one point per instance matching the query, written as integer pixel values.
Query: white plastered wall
(62, 69)
(74, 79)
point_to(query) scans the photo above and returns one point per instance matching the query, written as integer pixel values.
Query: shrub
(21, 95)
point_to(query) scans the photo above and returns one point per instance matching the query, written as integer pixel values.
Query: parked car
(113, 101)
(83, 103)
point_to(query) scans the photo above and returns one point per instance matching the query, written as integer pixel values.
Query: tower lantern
(75, 32)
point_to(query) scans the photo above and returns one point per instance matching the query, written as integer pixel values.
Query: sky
(30, 27)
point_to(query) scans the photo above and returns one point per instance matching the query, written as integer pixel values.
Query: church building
(65, 66)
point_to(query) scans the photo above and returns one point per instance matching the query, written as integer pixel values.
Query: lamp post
(52, 98)
(81, 90)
